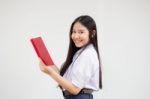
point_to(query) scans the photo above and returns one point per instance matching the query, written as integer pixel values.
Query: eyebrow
(79, 29)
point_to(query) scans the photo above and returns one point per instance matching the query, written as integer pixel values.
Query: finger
(41, 62)
(40, 59)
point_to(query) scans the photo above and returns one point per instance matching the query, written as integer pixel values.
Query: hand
(46, 69)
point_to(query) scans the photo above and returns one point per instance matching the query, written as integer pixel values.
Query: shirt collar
(81, 49)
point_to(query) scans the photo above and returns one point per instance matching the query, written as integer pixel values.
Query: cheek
(71, 36)
(87, 38)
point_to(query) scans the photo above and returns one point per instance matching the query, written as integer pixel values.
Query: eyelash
(79, 32)
(73, 32)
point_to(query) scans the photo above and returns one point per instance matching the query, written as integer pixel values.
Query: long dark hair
(90, 24)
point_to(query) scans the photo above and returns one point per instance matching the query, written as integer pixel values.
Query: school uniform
(83, 72)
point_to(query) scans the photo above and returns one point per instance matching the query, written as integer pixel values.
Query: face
(80, 35)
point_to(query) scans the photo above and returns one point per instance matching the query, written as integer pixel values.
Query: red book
(41, 50)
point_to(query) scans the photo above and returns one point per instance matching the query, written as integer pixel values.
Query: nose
(76, 35)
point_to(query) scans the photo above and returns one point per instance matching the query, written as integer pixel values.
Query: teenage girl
(80, 74)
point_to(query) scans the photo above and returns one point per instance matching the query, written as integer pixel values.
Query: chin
(78, 45)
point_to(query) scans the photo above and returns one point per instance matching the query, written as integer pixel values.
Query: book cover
(41, 50)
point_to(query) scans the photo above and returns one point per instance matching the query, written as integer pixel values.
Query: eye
(81, 32)
(73, 31)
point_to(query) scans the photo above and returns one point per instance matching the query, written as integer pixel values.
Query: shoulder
(89, 51)
(89, 58)
(89, 54)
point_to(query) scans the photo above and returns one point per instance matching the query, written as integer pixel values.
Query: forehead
(79, 26)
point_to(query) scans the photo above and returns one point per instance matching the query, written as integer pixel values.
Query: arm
(50, 70)
(56, 69)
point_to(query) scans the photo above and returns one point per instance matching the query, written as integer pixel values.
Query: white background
(124, 41)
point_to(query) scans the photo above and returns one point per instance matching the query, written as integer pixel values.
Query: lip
(77, 41)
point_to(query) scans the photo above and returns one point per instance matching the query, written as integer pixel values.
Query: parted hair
(90, 24)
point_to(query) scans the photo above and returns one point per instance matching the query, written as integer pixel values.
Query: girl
(80, 74)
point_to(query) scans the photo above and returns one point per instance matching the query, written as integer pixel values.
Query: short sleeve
(83, 69)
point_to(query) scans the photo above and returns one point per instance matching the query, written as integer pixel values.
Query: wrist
(51, 71)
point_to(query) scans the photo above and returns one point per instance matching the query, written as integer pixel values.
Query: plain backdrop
(124, 43)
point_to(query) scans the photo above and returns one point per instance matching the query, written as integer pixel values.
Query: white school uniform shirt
(83, 72)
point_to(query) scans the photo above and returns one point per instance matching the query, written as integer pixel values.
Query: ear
(93, 33)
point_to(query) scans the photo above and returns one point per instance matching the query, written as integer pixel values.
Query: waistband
(83, 91)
